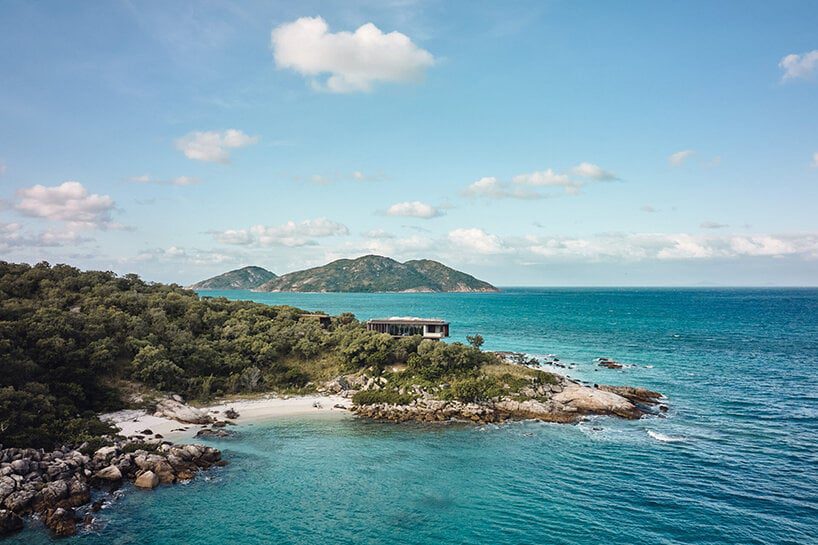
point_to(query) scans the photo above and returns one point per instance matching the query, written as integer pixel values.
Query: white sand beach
(132, 422)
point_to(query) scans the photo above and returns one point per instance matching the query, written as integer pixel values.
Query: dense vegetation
(374, 273)
(71, 341)
(246, 278)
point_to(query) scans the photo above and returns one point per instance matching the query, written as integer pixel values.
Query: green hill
(373, 273)
(246, 278)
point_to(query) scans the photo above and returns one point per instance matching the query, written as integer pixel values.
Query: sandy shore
(132, 422)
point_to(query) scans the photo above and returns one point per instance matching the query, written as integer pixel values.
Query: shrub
(474, 389)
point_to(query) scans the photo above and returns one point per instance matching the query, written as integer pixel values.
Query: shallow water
(735, 461)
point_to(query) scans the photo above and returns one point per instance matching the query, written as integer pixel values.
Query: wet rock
(9, 522)
(219, 433)
(231, 413)
(62, 521)
(633, 394)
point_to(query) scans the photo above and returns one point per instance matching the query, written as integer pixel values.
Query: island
(80, 344)
(366, 274)
(245, 278)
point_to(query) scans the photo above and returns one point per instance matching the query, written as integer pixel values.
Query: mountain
(246, 278)
(374, 273)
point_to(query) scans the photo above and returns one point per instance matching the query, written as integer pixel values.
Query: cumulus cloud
(178, 181)
(678, 158)
(351, 61)
(69, 202)
(213, 146)
(594, 172)
(290, 234)
(178, 254)
(414, 209)
(476, 240)
(797, 66)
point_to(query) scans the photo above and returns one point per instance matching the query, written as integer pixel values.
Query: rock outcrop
(175, 409)
(57, 485)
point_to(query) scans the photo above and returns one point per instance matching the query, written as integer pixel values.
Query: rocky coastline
(57, 486)
(565, 401)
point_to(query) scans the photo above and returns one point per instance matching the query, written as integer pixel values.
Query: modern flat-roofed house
(428, 328)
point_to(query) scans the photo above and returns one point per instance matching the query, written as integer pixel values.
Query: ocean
(735, 460)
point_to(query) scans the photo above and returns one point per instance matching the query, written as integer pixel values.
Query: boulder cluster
(53, 485)
(565, 402)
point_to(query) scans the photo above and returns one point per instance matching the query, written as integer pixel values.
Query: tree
(475, 340)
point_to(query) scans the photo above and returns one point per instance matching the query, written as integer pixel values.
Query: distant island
(367, 274)
(246, 278)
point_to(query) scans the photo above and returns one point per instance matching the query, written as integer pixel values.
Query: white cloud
(594, 172)
(713, 225)
(414, 209)
(801, 66)
(547, 178)
(69, 202)
(766, 246)
(12, 236)
(476, 240)
(177, 254)
(290, 234)
(213, 146)
(815, 159)
(676, 159)
(352, 61)
(178, 181)
(491, 187)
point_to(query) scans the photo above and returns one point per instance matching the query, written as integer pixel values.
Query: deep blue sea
(735, 461)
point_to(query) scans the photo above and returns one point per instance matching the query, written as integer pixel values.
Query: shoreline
(252, 410)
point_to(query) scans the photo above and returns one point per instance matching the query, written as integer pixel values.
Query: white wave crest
(666, 438)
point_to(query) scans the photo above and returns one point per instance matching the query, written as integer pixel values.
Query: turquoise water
(735, 461)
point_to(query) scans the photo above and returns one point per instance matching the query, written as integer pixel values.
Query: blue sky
(529, 143)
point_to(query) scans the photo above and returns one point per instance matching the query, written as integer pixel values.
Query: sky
(542, 143)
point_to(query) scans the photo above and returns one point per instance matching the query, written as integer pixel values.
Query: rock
(176, 410)
(9, 522)
(146, 432)
(337, 385)
(54, 492)
(634, 394)
(231, 413)
(110, 473)
(19, 501)
(219, 424)
(105, 453)
(62, 521)
(219, 433)
(147, 480)
(20, 467)
(585, 400)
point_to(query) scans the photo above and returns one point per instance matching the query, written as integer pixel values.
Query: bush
(371, 397)
(474, 389)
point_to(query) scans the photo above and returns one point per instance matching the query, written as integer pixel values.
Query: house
(428, 328)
